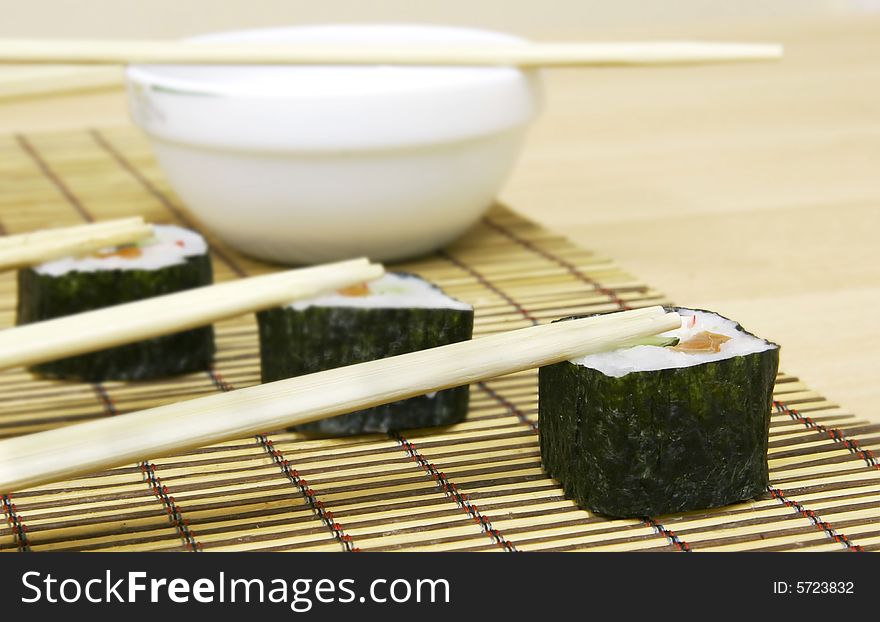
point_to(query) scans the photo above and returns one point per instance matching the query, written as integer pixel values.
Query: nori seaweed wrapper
(656, 442)
(44, 297)
(296, 342)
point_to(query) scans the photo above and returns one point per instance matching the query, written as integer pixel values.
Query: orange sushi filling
(126, 252)
(702, 343)
(355, 291)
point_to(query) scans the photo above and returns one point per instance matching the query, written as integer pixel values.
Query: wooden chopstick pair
(27, 249)
(80, 333)
(78, 51)
(63, 453)
(68, 78)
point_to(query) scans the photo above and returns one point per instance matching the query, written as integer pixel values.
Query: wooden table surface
(753, 190)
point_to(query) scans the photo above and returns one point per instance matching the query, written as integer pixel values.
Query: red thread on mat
(836, 435)
(489, 285)
(316, 505)
(16, 524)
(451, 490)
(160, 490)
(105, 400)
(815, 519)
(218, 380)
(308, 494)
(658, 527)
(508, 405)
(50, 174)
(519, 308)
(571, 268)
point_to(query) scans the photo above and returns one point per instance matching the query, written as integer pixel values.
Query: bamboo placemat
(477, 486)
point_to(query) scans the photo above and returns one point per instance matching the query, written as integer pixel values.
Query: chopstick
(39, 234)
(26, 249)
(79, 51)
(117, 441)
(29, 344)
(31, 81)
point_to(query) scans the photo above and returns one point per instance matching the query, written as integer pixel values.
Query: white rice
(391, 291)
(652, 358)
(171, 246)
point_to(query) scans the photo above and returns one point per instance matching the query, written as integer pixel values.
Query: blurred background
(531, 18)
(750, 189)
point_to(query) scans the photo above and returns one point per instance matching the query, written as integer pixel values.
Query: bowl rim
(157, 78)
(473, 103)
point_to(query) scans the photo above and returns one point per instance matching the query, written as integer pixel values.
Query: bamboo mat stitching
(561, 262)
(463, 503)
(488, 285)
(309, 495)
(160, 490)
(667, 533)
(19, 529)
(815, 519)
(41, 163)
(508, 406)
(837, 437)
(834, 434)
(450, 489)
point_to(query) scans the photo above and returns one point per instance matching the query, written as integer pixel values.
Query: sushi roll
(395, 314)
(679, 423)
(174, 259)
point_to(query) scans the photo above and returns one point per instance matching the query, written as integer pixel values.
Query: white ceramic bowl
(308, 164)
